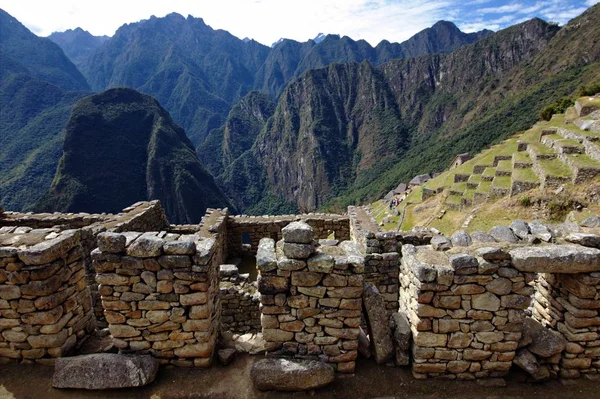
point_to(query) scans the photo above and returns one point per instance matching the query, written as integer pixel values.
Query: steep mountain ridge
(42, 58)
(199, 73)
(121, 147)
(244, 123)
(435, 106)
(77, 43)
(38, 87)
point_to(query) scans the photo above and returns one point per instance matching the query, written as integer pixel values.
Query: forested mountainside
(42, 58)
(121, 147)
(38, 86)
(198, 73)
(78, 44)
(351, 132)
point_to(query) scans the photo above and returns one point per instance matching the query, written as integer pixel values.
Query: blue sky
(269, 20)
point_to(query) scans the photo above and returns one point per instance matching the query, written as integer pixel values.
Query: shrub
(589, 90)
(558, 107)
(525, 201)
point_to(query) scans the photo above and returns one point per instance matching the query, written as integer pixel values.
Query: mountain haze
(77, 43)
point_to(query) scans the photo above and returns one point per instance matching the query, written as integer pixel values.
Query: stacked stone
(258, 227)
(311, 298)
(240, 302)
(159, 294)
(45, 303)
(569, 304)
(465, 311)
(567, 300)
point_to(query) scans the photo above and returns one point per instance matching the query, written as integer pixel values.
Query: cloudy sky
(268, 20)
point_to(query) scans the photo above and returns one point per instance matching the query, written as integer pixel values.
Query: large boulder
(461, 239)
(520, 228)
(556, 259)
(402, 335)
(377, 321)
(104, 371)
(527, 361)
(504, 234)
(298, 232)
(541, 341)
(290, 375)
(591, 221)
(441, 243)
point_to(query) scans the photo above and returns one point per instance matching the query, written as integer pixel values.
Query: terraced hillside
(564, 150)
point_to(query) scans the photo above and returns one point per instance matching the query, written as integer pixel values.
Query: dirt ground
(233, 382)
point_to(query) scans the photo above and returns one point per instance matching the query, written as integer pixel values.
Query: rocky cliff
(121, 147)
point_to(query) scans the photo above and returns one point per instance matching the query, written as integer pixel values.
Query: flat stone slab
(556, 259)
(104, 371)
(290, 375)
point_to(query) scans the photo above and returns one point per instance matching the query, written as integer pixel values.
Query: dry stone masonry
(240, 301)
(311, 297)
(45, 302)
(159, 294)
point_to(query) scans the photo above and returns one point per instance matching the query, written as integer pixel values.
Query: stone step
(521, 160)
(551, 172)
(501, 186)
(562, 145)
(589, 140)
(504, 168)
(523, 179)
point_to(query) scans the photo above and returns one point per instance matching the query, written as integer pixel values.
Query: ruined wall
(45, 303)
(253, 228)
(465, 311)
(382, 252)
(311, 300)
(159, 292)
(568, 303)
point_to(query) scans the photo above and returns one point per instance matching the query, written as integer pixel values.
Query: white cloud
(269, 20)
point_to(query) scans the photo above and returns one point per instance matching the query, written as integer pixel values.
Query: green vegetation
(558, 107)
(525, 174)
(150, 158)
(555, 168)
(589, 90)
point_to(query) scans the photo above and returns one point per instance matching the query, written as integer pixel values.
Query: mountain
(199, 73)
(244, 123)
(38, 87)
(120, 147)
(289, 59)
(42, 58)
(349, 133)
(319, 38)
(442, 37)
(195, 71)
(77, 43)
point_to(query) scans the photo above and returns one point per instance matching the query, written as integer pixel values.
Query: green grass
(502, 182)
(475, 179)
(415, 196)
(489, 172)
(504, 166)
(541, 149)
(454, 199)
(583, 161)
(444, 180)
(554, 167)
(459, 187)
(521, 157)
(525, 174)
(484, 187)
(469, 194)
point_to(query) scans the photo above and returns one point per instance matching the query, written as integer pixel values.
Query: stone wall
(465, 311)
(240, 302)
(568, 303)
(253, 228)
(159, 293)
(45, 303)
(382, 256)
(311, 298)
